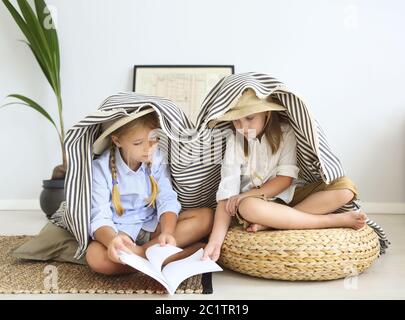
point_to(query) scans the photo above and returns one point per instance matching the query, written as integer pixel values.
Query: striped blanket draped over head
(194, 152)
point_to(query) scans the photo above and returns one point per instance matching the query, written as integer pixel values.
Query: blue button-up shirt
(134, 188)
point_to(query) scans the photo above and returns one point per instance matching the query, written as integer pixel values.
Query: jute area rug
(33, 277)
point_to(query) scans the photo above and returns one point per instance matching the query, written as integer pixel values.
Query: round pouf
(323, 254)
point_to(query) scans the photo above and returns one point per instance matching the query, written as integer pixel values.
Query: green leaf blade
(32, 104)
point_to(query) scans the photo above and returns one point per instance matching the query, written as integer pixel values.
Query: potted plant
(37, 25)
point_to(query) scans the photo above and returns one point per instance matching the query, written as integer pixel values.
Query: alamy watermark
(51, 278)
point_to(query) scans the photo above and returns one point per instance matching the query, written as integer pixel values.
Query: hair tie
(114, 182)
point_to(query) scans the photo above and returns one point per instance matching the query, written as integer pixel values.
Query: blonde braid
(115, 195)
(154, 186)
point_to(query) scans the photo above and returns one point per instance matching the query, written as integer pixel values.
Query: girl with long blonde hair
(133, 204)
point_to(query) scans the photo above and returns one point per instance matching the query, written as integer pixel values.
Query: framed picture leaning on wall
(186, 85)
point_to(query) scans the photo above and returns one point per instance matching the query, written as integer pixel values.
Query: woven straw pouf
(323, 254)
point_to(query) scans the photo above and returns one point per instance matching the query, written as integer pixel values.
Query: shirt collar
(261, 141)
(123, 167)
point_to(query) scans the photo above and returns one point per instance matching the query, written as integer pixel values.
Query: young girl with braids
(259, 178)
(133, 204)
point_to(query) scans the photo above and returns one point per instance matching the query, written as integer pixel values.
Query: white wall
(346, 58)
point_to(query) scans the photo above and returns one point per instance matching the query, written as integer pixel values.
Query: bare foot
(254, 227)
(353, 219)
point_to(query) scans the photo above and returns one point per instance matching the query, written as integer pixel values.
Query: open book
(172, 275)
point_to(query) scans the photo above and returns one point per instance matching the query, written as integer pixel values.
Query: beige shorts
(143, 237)
(303, 192)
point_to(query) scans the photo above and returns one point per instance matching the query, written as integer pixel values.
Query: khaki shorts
(143, 237)
(302, 192)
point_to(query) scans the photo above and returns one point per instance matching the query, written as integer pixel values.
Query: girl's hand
(212, 250)
(166, 238)
(121, 242)
(233, 203)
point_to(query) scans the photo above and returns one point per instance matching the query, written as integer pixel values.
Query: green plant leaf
(50, 33)
(35, 27)
(38, 40)
(43, 68)
(44, 44)
(30, 29)
(19, 20)
(17, 17)
(28, 34)
(30, 103)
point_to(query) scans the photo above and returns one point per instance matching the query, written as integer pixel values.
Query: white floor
(383, 280)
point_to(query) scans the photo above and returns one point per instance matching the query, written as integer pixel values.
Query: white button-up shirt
(240, 174)
(134, 188)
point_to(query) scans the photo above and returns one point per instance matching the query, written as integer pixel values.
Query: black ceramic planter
(53, 193)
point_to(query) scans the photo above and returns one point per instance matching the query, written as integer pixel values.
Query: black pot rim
(53, 183)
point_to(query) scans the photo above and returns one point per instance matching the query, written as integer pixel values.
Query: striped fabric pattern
(194, 152)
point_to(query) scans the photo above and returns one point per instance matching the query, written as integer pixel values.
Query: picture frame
(186, 85)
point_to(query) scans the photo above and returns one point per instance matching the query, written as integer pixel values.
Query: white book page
(144, 266)
(177, 271)
(156, 254)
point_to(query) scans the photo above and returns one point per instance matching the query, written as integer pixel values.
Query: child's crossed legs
(192, 226)
(310, 209)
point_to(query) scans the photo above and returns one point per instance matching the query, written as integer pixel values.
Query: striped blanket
(194, 151)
